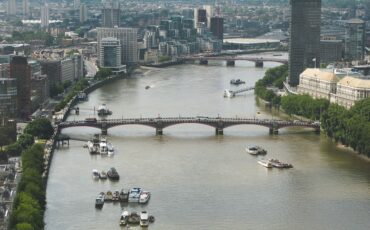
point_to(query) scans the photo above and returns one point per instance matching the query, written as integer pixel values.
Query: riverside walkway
(219, 123)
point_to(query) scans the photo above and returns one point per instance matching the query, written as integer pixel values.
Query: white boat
(255, 150)
(103, 146)
(144, 219)
(227, 93)
(109, 196)
(124, 217)
(103, 175)
(265, 163)
(134, 195)
(99, 201)
(115, 196)
(95, 174)
(93, 146)
(144, 197)
(110, 149)
(103, 110)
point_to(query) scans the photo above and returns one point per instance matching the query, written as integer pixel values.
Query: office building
(76, 4)
(200, 17)
(209, 14)
(111, 14)
(8, 93)
(45, 16)
(83, 13)
(331, 51)
(350, 90)
(304, 48)
(128, 40)
(354, 46)
(25, 8)
(21, 71)
(110, 55)
(12, 7)
(217, 27)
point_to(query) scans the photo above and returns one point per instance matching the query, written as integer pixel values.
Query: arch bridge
(230, 60)
(218, 123)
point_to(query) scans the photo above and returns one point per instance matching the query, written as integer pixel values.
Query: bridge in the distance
(230, 60)
(219, 123)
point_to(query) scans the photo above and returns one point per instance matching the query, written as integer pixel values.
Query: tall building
(217, 27)
(110, 54)
(200, 17)
(25, 8)
(45, 16)
(127, 38)
(21, 71)
(12, 7)
(304, 48)
(83, 13)
(8, 93)
(111, 14)
(76, 4)
(209, 13)
(354, 46)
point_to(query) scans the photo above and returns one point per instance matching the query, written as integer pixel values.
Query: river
(199, 180)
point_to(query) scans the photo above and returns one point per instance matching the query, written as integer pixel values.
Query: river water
(199, 180)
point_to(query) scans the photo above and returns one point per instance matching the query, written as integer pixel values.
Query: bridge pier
(104, 129)
(203, 62)
(159, 131)
(219, 131)
(258, 64)
(230, 63)
(274, 131)
(317, 130)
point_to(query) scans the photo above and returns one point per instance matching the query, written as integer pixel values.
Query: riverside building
(341, 87)
(304, 49)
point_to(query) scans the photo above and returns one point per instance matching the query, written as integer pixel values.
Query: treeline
(29, 203)
(304, 105)
(350, 127)
(80, 85)
(40, 128)
(274, 77)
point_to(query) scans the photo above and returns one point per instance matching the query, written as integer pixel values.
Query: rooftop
(355, 82)
(322, 74)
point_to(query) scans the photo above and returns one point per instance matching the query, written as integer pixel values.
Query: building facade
(111, 15)
(317, 83)
(217, 27)
(83, 13)
(304, 48)
(110, 55)
(355, 39)
(8, 93)
(128, 40)
(350, 90)
(12, 7)
(45, 16)
(331, 51)
(21, 71)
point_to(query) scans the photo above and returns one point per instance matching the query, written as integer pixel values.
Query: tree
(24, 226)
(26, 140)
(103, 73)
(40, 127)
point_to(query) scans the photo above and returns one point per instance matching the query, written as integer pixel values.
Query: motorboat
(255, 150)
(124, 218)
(103, 175)
(144, 219)
(144, 197)
(147, 87)
(110, 149)
(227, 93)
(278, 164)
(99, 201)
(109, 196)
(103, 146)
(93, 146)
(133, 218)
(115, 196)
(123, 195)
(113, 174)
(265, 163)
(103, 110)
(237, 82)
(134, 195)
(95, 174)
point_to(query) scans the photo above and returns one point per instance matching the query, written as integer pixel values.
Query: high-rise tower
(304, 48)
